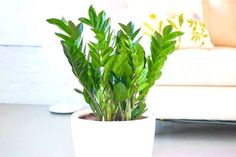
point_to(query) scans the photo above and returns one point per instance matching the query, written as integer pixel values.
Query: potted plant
(116, 75)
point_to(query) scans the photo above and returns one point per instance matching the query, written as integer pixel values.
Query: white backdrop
(24, 22)
(38, 75)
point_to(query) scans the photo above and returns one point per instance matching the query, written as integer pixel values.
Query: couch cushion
(200, 103)
(186, 17)
(220, 18)
(211, 67)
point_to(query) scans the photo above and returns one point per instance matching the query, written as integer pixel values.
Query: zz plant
(114, 70)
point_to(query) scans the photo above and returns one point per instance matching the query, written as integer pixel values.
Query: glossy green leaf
(60, 24)
(64, 37)
(167, 30)
(85, 21)
(92, 16)
(142, 86)
(172, 36)
(120, 91)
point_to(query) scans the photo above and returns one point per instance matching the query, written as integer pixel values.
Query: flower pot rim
(77, 114)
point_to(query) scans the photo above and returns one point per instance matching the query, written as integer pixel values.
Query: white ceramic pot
(112, 139)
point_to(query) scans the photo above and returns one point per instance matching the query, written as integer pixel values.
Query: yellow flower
(153, 16)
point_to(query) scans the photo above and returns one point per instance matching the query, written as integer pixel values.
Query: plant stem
(96, 105)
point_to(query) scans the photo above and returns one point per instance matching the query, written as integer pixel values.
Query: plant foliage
(114, 70)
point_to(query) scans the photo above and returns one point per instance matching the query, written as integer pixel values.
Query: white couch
(196, 84)
(201, 83)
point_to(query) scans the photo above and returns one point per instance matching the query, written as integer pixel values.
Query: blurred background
(33, 69)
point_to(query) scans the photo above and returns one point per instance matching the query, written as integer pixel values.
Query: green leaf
(135, 34)
(139, 69)
(120, 91)
(71, 25)
(78, 91)
(128, 72)
(168, 50)
(79, 29)
(64, 37)
(158, 37)
(119, 60)
(107, 51)
(124, 27)
(172, 36)
(167, 30)
(106, 54)
(85, 21)
(107, 68)
(168, 44)
(95, 58)
(141, 78)
(142, 86)
(101, 19)
(139, 110)
(60, 24)
(130, 28)
(154, 45)
(157, 75)
(92, 16)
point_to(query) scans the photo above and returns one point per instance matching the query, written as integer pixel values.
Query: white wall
(18, 23)
(38, 75)
(24, 76)
(24, 22)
